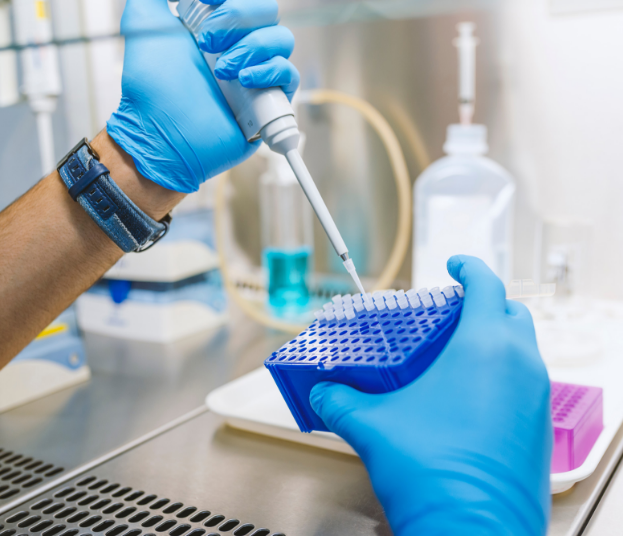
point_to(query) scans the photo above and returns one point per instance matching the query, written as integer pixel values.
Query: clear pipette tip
(350, 268)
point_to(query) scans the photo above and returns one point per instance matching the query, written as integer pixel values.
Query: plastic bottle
(463, 204)
(287, 237)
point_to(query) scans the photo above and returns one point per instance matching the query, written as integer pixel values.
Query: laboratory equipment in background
(267, 114)
(168, 292)
(463, 203)
(287, 237)
(570, 327)
(40, 68)
(9, 92)
(53, 361)
(564, 255)
(324, 281)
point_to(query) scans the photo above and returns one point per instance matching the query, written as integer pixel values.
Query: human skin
(52, 251)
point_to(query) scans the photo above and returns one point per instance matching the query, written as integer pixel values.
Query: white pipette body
(267, 114)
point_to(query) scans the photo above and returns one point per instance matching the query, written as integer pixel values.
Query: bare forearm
(51, 250)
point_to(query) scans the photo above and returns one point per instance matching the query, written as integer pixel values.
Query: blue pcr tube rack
(375, 343)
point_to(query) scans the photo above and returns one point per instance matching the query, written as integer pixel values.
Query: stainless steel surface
(572, 510)
(135, 388)
(20, 473)
(298, 490)
(607, 518)
(66, 476)
(284, 487)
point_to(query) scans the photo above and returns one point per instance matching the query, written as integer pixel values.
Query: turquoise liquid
(287, 278)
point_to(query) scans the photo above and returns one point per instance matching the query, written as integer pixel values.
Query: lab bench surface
(202, 463)
(135, 389)
(607, 519)
(233, 475)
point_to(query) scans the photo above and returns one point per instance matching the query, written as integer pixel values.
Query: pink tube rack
(577, 415)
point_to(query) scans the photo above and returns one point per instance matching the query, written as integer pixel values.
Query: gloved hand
(465, 448)
(173, 119)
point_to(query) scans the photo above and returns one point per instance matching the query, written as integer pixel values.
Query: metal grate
(19, 472)
(92, 507)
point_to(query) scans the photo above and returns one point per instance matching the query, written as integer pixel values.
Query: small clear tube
(414, 299)
(348, 306)
(390, 301)
(527, 288)
(427, 301)
(448, 292)
(437, 297)
(368, 302)
(439, 300)
(379, 302)
(402, 300)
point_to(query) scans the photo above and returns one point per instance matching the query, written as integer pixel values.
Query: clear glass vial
(287, 237)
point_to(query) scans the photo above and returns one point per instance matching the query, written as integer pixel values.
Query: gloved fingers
(484, 292)
(276, 72)
(518, 310)
(212, 2)
(233, 20)
(521, 320)
(253, 49)
(146, 16)
(339, 406)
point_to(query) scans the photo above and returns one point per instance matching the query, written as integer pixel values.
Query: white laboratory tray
(254, 403)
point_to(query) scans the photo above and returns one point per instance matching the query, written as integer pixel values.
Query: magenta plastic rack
(577, 415)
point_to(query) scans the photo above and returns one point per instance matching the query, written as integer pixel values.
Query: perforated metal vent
(19, 473)
(91, 507)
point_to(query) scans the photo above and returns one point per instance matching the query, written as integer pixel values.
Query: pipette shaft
(316, 201)
(267, 114)
(321, 210)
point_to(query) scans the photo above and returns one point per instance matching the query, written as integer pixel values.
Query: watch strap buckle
(166, 221)
(81, 143)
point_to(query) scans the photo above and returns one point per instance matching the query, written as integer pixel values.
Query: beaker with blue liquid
(287, 238)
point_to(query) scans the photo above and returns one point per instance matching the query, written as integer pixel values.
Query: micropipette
(267, 114)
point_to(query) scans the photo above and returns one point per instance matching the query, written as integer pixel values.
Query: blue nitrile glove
(173, 119)
(465, 448)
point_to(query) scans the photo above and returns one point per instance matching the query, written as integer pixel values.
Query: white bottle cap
(466, 139)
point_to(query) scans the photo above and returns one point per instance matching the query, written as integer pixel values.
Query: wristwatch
(90, 184)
